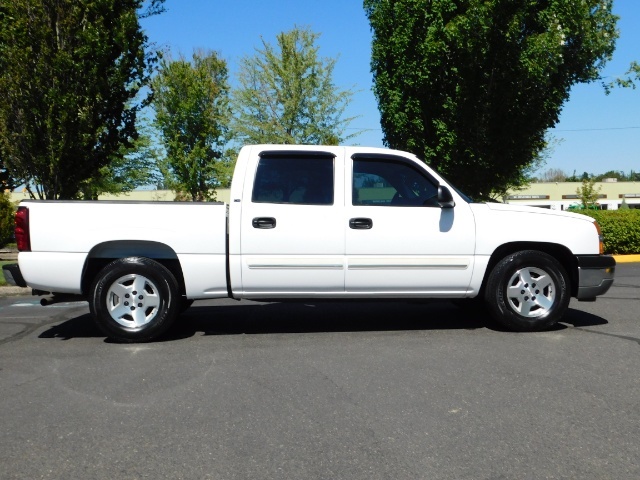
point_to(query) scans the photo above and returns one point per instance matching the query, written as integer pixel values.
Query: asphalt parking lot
(376, 390)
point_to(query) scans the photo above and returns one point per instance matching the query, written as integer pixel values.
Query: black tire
(152, 286)
(528, 291)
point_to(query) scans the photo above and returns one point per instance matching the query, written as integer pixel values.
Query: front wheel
(134, 299)
(528, 291)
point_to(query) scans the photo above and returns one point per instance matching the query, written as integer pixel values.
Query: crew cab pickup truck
(311, 222)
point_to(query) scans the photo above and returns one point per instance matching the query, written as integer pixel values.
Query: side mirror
(445, 199)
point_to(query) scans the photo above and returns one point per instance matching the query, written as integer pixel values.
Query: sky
(596, 132)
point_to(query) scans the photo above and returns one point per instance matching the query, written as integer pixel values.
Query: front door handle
(361, 223)
(264, 222)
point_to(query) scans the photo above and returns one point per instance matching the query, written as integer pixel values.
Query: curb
(626, 258)
(11, 291)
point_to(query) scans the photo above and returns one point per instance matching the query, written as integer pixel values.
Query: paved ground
(323, 391)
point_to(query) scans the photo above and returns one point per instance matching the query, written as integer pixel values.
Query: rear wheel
(134, 299)
(528, 291)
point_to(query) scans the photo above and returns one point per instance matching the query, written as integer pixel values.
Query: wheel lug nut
(526, 299)
(140, 297)
(522, 292)
(135, 293)
(126, 304)
(126, 295)
(537, 292)
(533, 299)
(133, 308)
(140, 305)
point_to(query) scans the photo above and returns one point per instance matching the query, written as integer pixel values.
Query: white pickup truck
(312, 222)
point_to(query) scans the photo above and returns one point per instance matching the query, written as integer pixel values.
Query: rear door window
(294, 179)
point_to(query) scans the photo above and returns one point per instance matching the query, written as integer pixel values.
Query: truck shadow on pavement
(309, 317)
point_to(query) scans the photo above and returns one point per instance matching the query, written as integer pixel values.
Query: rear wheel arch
(103, 254)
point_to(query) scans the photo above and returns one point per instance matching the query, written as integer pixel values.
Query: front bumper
(13, 276)
(595, 275)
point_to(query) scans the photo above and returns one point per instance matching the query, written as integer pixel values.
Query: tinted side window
(391, 183)
(305, 181)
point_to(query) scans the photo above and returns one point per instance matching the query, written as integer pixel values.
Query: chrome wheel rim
(531, 292)
(133, 301)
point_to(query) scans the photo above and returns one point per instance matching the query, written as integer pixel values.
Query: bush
(7, 213)
(620, 229)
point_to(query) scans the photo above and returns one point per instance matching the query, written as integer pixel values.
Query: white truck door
(292, 236)
(399, 240)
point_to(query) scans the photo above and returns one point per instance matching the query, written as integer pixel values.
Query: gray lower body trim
(595, 275)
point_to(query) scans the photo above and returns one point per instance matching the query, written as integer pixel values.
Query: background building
(553, 195)
(562, 195)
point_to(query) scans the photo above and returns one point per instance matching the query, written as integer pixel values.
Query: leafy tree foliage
(135, 165)
(579, 178)
(6, 181)
(69, 70)
(7, 213)
(632, 76)
(618, 175)
(191, 100)
(286, 94)
(632, 176)
(588, 193)
(552, 175)
(471, 86)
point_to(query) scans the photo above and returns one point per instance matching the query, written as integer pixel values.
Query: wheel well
(561, 253)
(103, 254)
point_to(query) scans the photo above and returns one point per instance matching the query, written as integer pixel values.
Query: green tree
(471, 86)
(588, 194)
(618, 175)
(7, 213)
(6, 181)
(191, 101)
(286, 94)
(134, 166)
(579, 178)
(69, 70)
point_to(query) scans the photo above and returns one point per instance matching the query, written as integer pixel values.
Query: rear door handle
(361, 223)
(264, 222)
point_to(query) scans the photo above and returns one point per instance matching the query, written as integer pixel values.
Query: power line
(597, 129)
(556, 130)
